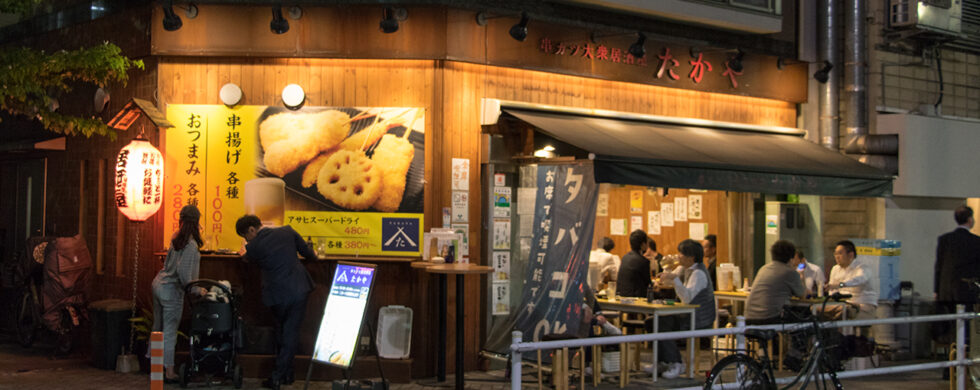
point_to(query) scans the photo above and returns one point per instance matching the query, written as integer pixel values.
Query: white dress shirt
(600, 262)
(857, 282)
(812, 276)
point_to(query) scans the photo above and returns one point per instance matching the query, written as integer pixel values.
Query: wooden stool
(559, 365)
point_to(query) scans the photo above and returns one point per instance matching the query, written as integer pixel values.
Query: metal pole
(515, 361)
(460, 347)
(441, 348)
(960, 348)
(740, 337)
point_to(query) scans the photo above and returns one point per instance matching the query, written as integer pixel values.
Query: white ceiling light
(293, 96)
(230, 94)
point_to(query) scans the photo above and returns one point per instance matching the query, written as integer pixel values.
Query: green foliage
(28, 76)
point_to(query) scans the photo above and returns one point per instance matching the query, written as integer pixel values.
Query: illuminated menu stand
(337, 338)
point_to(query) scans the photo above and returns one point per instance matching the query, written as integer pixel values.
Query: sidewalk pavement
(34, 369)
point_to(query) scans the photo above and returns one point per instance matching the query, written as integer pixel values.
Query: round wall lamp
(293, 96)
(230, 94)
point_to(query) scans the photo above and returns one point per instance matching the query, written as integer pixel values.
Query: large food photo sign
(349, 179)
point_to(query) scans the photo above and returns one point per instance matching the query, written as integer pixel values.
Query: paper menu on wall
(617, 227)
(501, 265)
(666, 214)
(636, 222)
(636, 201)
(697, 230)
(602, 205)
(694, 206)
(501, 234)
(501, 202)
(526, 197)
(461, 174)
(653, 222)
(501, 298)
(461, 206)
(680, 209)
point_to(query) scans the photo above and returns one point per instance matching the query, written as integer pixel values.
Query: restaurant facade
(676, 142)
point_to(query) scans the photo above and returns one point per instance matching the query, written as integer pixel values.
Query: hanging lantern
(139, 180)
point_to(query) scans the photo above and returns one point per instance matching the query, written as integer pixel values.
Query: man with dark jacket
(957, 258)
(634, 272)
(285, 285)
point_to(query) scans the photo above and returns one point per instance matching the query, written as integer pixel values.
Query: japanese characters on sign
(551, 302)
(666, 63)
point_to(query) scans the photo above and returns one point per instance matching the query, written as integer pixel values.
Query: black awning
(666, 155)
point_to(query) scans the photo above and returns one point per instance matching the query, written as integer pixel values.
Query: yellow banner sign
(297, 166)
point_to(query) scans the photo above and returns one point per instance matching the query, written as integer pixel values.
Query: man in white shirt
(853, 277)
(813, 275)
(603, 266)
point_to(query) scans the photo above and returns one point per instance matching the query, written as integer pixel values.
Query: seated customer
(634, 272)
(693, 286)
(851, 276)
(603, 266)
(654, 256)
(813, 275)
(774, 284)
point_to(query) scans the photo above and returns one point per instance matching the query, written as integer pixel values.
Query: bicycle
(30, 320)
(742, 371)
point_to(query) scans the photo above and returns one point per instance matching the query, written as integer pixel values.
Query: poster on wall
(653, 222)
(680, 209)
(602, 206)
(636, 223)
(636, 201)
(697, 230)
(348, 178)
(617, 227)
(501, 202)
(501, 298)
(501, 234)
(461, 206)
(501, 265)
(666, 214)
(694, 206)
(461, 174)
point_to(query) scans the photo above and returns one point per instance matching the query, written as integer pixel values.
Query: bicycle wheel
(738, 372)
(26, 320)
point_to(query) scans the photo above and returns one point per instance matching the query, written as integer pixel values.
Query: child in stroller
(215, 333)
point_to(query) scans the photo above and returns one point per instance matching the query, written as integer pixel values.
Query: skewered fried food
(312, 169)
(394, 156)
(350, 179)
(293, 139)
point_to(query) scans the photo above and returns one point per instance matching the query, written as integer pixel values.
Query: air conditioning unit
(936, 16)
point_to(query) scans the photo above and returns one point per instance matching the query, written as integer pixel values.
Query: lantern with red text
(139, 180)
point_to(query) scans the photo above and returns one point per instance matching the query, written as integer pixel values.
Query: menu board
(349, 179)
(343, 313)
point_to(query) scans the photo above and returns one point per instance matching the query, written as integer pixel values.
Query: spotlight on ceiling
(389, 23)
(735, 62)
(279, 25)
(171, 22)
(519, 30)
(637, 49)
(823, 74)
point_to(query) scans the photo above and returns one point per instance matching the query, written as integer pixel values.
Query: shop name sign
(668, 65)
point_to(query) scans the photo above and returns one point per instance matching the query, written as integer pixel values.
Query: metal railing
(518, 345)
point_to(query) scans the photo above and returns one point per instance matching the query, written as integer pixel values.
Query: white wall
(918, 223)
(937, 156)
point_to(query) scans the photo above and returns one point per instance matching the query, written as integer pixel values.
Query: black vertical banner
(564, 218)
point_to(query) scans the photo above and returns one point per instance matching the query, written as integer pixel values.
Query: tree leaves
(28, 77)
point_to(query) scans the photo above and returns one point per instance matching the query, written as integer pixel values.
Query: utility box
(394, 332)
(110, 330)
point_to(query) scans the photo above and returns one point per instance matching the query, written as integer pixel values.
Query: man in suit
(957, 258)
(285, 285)
(634, 272)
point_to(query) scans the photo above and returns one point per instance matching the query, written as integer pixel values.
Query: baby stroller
(215, 334)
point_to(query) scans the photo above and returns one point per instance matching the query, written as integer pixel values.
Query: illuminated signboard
(341, 323)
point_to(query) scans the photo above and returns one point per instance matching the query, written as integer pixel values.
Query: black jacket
(284, 278)
(957, 258)
(634, 276)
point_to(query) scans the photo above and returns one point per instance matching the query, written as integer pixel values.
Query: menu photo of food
(346, 159)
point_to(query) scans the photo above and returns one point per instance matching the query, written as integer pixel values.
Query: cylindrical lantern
(139, 180)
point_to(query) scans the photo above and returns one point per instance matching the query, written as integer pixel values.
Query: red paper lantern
(139, 180)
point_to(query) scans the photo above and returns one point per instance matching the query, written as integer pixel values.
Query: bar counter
(395, 285)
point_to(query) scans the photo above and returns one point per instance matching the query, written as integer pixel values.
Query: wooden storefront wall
(451, 93)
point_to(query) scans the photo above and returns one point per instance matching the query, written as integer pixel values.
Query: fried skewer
(394, 156)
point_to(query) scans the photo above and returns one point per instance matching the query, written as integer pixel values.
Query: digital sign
(342, 316)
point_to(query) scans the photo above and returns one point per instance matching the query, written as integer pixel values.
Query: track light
(637, 49)
(735, 63)
(279, 25)
(519, 30)
(823, 74)
(171, 22)
(388, 22)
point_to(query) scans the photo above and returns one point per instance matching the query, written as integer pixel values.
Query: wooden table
(460, 270)
(640, 305)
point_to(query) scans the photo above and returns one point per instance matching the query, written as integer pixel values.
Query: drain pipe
(879, 150)
(829, 101)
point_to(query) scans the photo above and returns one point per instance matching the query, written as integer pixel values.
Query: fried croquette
(293, 139)
(394, 156)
